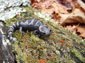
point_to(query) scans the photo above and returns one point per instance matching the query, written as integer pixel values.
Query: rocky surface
(10, 8)
(6, 54)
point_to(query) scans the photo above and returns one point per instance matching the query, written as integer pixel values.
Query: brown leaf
(72, 28)
(42, 61)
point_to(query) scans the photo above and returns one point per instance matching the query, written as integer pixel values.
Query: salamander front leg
(36, 33)
(22, 32)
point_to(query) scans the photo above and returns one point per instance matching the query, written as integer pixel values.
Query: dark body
(29, 25)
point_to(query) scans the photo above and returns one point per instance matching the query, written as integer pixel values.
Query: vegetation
(61, 46)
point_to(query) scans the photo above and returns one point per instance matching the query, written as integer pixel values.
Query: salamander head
(44, 30)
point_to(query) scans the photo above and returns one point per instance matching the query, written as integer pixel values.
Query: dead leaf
(42, 61)
(68, 13)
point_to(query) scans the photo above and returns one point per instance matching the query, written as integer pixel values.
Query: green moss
(31, 48)
(77, 54)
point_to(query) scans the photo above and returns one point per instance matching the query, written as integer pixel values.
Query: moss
(77, 54)
(31, 48)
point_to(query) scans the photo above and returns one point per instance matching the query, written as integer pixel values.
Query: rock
(10, 8)
(6, 55)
